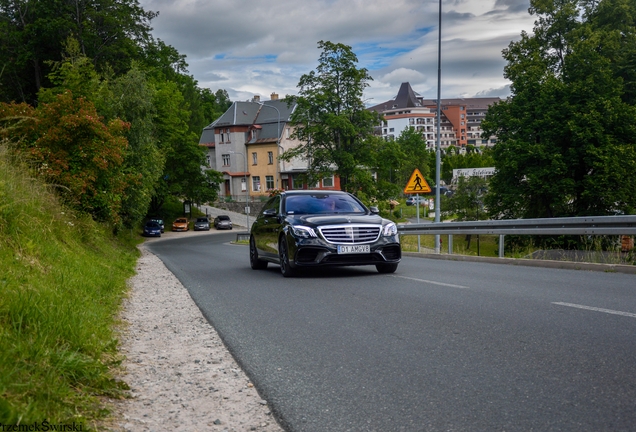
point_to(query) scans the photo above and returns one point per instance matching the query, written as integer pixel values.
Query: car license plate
(342, 249)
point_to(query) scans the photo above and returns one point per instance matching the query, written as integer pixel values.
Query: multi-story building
(245, 144)
(460, 118)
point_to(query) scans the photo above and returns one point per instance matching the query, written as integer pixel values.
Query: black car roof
(314, 192)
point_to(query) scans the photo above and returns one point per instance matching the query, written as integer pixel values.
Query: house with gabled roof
(245, 144)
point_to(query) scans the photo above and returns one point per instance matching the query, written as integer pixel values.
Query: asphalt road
(438, 346)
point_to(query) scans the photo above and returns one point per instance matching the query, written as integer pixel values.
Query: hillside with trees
(103, 110)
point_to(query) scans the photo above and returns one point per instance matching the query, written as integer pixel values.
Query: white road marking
(609, 311)
(431, 282)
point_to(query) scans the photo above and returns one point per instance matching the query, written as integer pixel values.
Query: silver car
(222, 222)
(202, 224)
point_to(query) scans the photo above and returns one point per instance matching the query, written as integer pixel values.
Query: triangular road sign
(417, 184)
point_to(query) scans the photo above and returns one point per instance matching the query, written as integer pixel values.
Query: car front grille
(350, 234)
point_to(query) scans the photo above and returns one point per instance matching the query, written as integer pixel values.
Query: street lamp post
(247, 187)
(438, 150)
(277, 174)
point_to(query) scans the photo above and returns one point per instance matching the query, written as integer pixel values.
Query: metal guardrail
(242, 236)
(586, 225)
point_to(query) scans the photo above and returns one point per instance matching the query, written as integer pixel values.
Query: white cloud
(252, 47)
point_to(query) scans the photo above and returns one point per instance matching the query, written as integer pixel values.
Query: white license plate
(342, 249)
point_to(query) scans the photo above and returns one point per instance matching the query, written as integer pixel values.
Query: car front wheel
(254, 261)
(283, 257)
(386, 268)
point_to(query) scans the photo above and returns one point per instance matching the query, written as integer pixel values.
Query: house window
(243, 184)
(227, 133)
(256, 183)
(208, 161)
(327, 182)
(254, 158)
(287, 133)
(226, 160)
(269, 180)
(222, 137)
(270, 158)
(297, 182)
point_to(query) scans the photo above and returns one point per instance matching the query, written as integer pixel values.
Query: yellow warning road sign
(417, 184)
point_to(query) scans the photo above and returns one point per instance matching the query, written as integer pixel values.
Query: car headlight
(389, 229)
(303, 231)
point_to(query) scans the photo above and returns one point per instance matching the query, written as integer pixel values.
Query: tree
(470, 159)
(467, 201)
(131, 98)
(330, 118)
(32, 33)
(566, 136)
(183, 176)
(70, 146)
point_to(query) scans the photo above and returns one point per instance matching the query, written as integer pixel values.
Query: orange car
(180, 224)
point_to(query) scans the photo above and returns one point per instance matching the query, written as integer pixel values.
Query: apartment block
(460, 123)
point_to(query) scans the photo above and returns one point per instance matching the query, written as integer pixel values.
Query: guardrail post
(501, 245)
(450, 244)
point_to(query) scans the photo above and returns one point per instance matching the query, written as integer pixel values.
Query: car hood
(343, 219)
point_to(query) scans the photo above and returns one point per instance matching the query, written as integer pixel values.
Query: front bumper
(317, 252)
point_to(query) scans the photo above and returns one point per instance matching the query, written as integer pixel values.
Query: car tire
(256, 263)
(386, 268)
(283, 258)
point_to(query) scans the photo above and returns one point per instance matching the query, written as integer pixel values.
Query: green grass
(482, 246)
(62, 281)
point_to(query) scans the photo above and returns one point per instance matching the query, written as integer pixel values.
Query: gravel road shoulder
(180, 374)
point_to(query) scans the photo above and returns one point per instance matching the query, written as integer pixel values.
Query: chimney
(274, 96)
(256, 98)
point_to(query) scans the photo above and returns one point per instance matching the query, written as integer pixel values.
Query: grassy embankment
(62, 280)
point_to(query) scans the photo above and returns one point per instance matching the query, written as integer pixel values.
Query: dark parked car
(152, 229)
(159, 221)
(313, 228)
(222, 222)
(202, 224)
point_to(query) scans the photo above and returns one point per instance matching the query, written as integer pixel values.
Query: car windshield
(322, 204)
(222, 218)
(202, 219)
(152, 225)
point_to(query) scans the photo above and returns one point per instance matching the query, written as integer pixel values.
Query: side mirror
(269, 212)
(374, 210)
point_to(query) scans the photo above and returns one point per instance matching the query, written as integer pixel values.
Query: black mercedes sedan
(310, 228)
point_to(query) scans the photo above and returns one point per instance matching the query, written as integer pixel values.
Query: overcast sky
(255, 47)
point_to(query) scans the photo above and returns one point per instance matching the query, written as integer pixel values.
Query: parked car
(202, 224)
(152, 229)
(412, 200)
(222, 222)
(159, 221)
(311, 228)
(180, 224)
